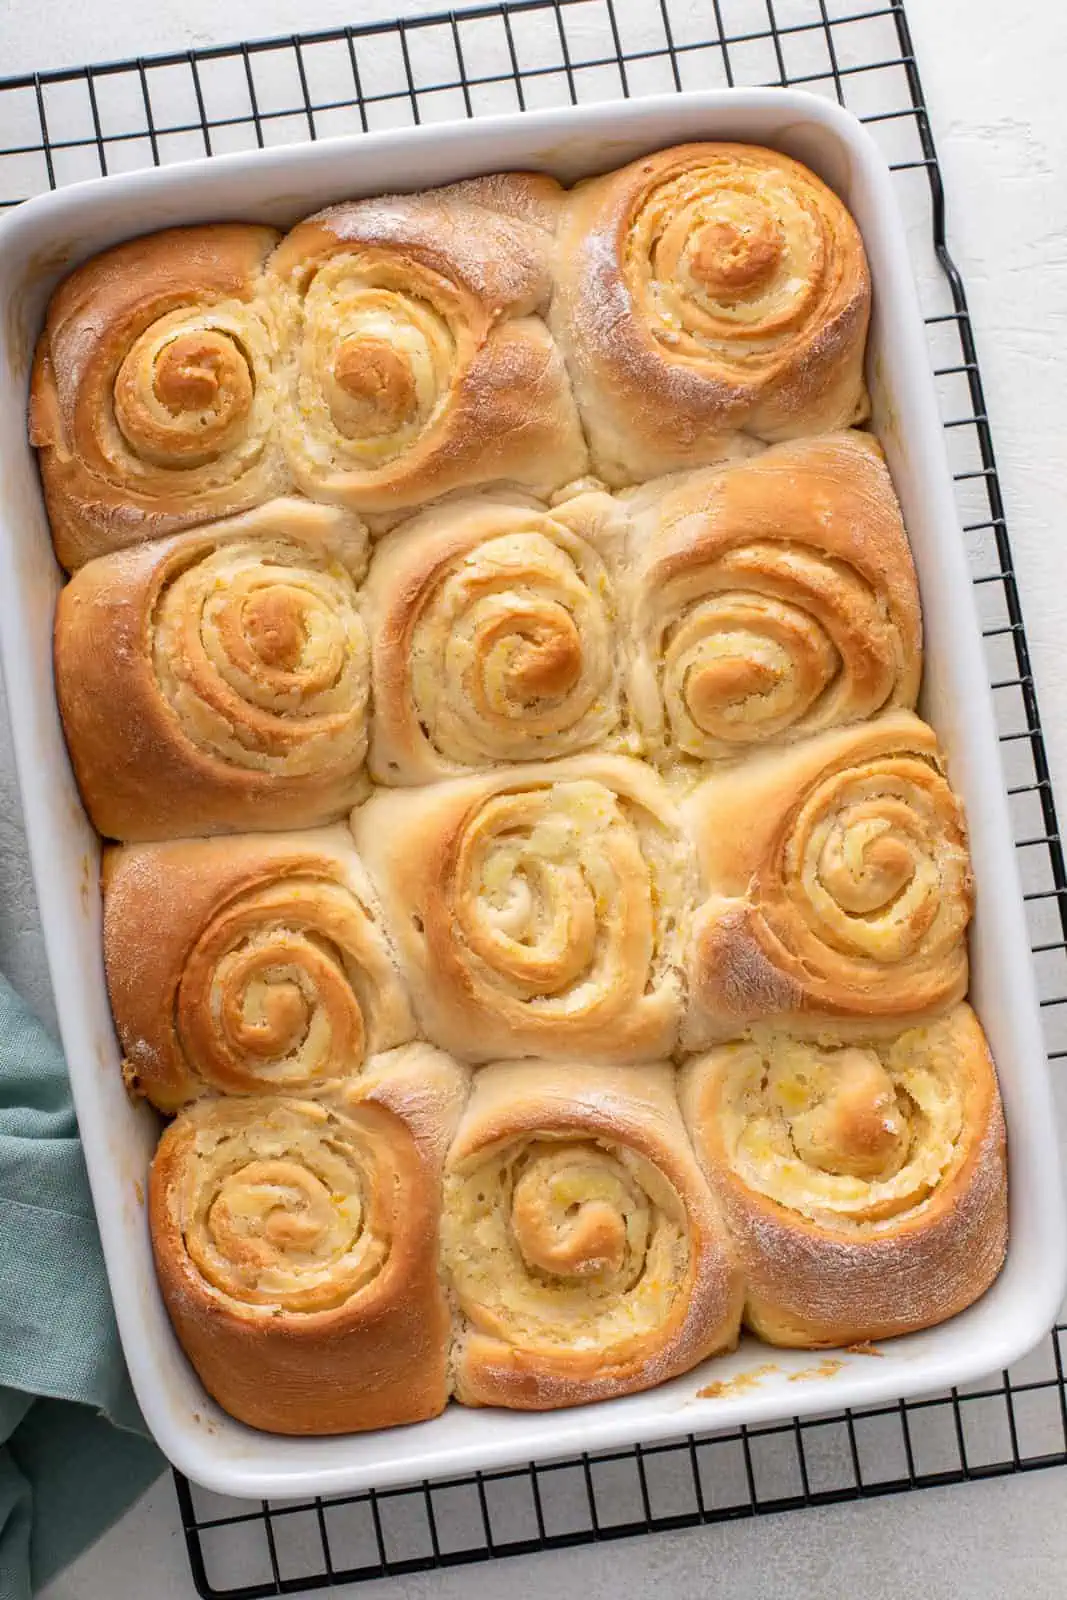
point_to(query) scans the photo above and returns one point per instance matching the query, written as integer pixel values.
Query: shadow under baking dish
(39, 243)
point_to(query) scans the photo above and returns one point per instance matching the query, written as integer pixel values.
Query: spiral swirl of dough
(555, 907)
(767, 641)
(838, 881)
(734, 258)
(565, 1242)
(512, 652)
(263, 657)
(775, 598)
(494, 636)
(288, 1207)
(192, 401)
(872, 868)
(378, 360)
(849, 1137)
(286, 987)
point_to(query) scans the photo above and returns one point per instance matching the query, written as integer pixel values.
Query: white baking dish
(38, 244)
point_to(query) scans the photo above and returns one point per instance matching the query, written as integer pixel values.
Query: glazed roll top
(219, 679)
(248, 965)
(706, 291)
(420, 363)
(837, 881)
(296, 1246)
(580, 1241)
(537, 910)
(770, 600)
(495, 636)
(155, 388)
(863, 1184)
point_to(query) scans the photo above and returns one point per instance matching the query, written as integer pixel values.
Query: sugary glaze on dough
(155, 389)
(296, 1246)
(769, 600)
(272, 970)
(838, 885)
(495, 630)
(864, 1185)
(580, 1244)
(244, 667)
(538, 909)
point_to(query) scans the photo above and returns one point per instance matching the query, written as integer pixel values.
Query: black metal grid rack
(59, 126)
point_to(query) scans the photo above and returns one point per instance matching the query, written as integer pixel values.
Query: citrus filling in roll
(557, 897)
(263, 657)
(512, 652)
(850, 1137)
(720, 258)
(193, 395)
(564, 1242)
(286, 1212)
(874, 863)
(377, 361)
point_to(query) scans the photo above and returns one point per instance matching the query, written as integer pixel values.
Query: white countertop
(993, 76)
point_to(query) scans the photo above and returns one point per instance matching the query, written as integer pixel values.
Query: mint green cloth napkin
(73, 1454)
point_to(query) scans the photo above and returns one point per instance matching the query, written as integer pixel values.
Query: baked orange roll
(218, 680)
(247, 965)
(864, 1185)
(581, 1246)
(421, 363)
(296, 1248)
(769, 600)
(838, 884)
(537, 910)
(155, 389)
(494, 635)
(706, 290)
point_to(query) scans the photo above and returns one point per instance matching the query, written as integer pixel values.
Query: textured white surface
(992, 76)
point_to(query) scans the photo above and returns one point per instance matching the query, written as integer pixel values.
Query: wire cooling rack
(59, 126)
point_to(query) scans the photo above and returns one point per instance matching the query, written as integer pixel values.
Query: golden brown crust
(421, 365)
(218, 680)
(153, 391)
(495, 636)
(450, 369)
(865, 1188)
(580, 1241)
(703, 290)
(536, 910)
(296, 1248)
(246, 965)
(838, 885)
(770, 600)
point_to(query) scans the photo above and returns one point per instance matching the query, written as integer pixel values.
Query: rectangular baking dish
(39, 243)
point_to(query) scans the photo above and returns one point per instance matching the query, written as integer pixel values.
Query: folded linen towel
(73, 1455)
